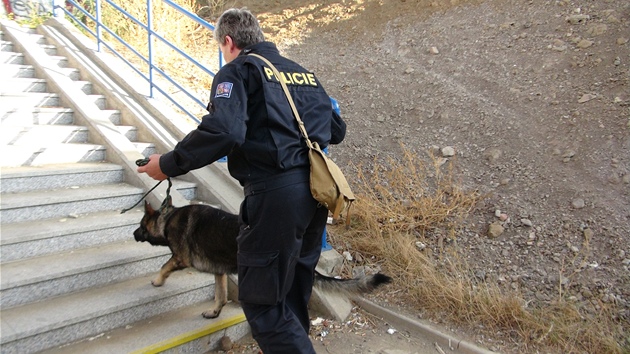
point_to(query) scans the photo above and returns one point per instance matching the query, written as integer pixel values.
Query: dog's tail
(355, 286)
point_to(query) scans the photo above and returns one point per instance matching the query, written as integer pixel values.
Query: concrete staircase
(70, 268)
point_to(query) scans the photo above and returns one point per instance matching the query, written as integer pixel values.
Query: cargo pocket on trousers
(258, 278)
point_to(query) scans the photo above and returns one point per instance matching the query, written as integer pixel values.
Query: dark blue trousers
(278, 248)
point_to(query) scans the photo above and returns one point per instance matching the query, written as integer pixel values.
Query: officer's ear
(229, 42)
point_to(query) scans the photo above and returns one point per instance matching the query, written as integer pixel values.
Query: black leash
(142, 162)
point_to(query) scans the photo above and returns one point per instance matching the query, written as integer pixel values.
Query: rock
(598, 30)
(587, 293)
(558, 45)
(614, 178)
(575, 19)
(495, 229)
(585, 98)
(347, 256)
(448, 151)
(585, 43)
(578, 203)
(492, 154)
(226, 343)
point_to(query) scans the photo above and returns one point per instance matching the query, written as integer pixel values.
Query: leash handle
(142, 162)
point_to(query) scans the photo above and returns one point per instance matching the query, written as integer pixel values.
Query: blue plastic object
(335, 107)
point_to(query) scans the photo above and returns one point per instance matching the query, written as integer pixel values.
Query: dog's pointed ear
(148, 209)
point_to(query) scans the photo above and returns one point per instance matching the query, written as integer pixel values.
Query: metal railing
(68, 8)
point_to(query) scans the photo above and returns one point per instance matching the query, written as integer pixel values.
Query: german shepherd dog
(204, 237)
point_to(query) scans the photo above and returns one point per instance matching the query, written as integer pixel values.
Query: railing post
(57, 7)
(97, 10)
(150, 40)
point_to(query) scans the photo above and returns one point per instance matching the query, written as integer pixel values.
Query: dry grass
(411, 203)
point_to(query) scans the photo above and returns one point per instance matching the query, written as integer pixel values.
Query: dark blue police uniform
(251, 122)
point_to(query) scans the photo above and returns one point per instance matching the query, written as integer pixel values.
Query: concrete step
(85, 86)
(28, 155)
(99, 101)
(6, 46)
(146, 149)
(36, 37)
(49, 49)
(188, 190)
(36, 279)
(66, 202)
(9, 71)
(114, 116)
(180, 331)
(31, 178)
(62, 62)
(28, 239)
(21, 70)
(42, 134)
(48, 324)
(12, 100)
(37, 115)
(25, 84)
(26, 116)
(11, 58)
(9, 100)
(130, 132)
(28, 84)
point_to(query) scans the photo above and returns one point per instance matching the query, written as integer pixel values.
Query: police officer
(250, 121)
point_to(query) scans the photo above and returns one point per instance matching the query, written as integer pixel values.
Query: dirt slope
(534, 98)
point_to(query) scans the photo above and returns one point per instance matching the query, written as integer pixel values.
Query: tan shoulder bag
(328, 184)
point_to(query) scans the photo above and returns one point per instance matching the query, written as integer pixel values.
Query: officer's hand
(152, 168)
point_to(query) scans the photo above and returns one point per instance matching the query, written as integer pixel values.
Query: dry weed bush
(406, 218)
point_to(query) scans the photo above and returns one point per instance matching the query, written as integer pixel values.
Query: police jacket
(250, 120)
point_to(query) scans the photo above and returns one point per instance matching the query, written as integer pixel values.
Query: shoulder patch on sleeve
(224, 89)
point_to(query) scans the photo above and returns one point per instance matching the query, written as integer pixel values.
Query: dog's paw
(157, 282)
(212, 313)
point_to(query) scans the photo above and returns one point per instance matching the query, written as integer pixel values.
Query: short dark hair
(241, 25)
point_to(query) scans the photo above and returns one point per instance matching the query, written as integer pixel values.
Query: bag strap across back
(337, 175)
(289, 98)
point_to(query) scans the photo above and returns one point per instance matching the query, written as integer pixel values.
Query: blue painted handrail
(60, 9)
